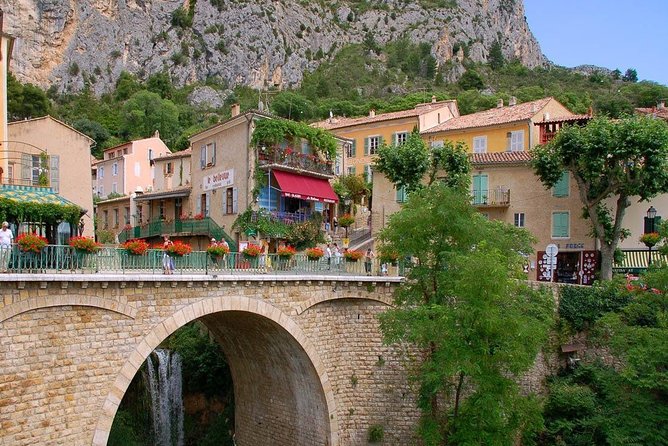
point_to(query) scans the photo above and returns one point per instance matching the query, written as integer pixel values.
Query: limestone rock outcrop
(259, 43)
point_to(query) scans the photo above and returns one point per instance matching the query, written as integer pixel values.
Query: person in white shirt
(6, 240)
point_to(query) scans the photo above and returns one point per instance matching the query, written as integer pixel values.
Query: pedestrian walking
(368, 260)
(6, 240)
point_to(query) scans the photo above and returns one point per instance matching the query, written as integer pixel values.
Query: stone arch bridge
(306, 356)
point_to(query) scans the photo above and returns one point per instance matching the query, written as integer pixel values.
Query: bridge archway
(282, 392)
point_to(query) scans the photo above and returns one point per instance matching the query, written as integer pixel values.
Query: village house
(288, 178)
(124, 171)
(368, 133)
(504, 187)
(36, 172)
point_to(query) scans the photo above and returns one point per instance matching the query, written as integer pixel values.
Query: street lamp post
(650, 228)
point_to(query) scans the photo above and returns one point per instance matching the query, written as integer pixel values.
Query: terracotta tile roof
(495, 158)
(494, 116)
(55, 120)
(420, 109)
(658, 112)
(169, 156)
(571, 118)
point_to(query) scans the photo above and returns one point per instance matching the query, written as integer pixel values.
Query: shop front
(569, 263)
(294, 197)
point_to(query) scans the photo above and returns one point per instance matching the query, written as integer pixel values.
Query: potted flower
(136, 247)
(346, 220)
(390, 257)
(217, 250)
(178, 249)
(252, 251)
(353, 256)
(199, 216)
(31, 243)
(650, 239)
(286, 252)
(84, 245)
(314, 253)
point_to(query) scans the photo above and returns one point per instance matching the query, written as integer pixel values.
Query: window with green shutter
(561, 188)
(366, 146)
(401, 194)
(560, 227)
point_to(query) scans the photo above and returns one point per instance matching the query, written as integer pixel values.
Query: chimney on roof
(512, 101)
(590, 111)
(661, 105)
(372, 113)
(236, 109)
(433, 99)
(156, 134)
(499, 103)
(546, 116)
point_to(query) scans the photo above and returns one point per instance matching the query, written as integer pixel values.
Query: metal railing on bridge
(57, 259)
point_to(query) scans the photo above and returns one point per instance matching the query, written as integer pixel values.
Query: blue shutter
(235, 201)
(366, 146)
(395, 139)
(354, 149)
(224, 191)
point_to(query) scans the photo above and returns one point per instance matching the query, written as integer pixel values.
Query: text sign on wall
(218, 180)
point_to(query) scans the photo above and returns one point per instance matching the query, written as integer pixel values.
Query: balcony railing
(284, 217)
(157, 228)
(54, 259)
(498, 197)
(295, 160)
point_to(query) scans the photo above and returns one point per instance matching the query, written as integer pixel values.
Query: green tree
(496, 59)
(25, 101)
(146, 112)
(95, 130)
(405, 165)
(161, 83)
(608, 159)
(352, 187)
(630, 75)
(475, 328)
(471, 80)
(292, 105)
(410, 164)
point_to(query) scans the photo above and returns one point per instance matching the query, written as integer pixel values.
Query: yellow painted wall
(497, 136)
(358, 133)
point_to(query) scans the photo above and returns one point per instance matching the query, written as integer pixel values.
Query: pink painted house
(129, 167)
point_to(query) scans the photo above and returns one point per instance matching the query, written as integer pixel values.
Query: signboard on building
(218, 180)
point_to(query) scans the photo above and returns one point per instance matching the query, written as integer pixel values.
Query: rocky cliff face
(258, 43)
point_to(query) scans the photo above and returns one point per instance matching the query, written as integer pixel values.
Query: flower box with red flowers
(650, 239)
(346, 220)
(136, 247)
(286, 252)
(217, 249)
(85, 244)
(199, 217)
(314, 253)
(31, 243)
(178, 249)
(353, 256)
(252, 251)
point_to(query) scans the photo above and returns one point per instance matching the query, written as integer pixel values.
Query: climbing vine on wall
(275, 131)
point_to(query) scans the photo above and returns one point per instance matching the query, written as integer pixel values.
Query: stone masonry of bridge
(306, 356)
